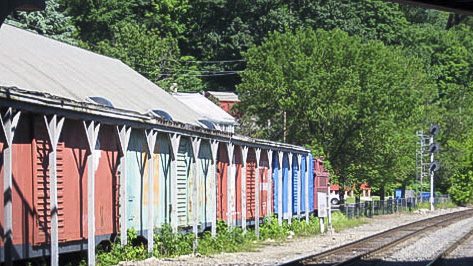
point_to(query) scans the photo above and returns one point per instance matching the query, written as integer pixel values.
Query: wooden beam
(124, 138)
(299, 179)
(230, 181)
(270, 183)
(195, 190)
(289, 188)
(175, 139)
(92, 132)
(213, 181)
(280, 214)
(257, 191)
(9, 120)
(151, 136)
(306, 176)
(54, 126)
(244, 156)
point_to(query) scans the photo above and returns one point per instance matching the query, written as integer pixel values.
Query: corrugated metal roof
(224, 96)
(205, 108)
(36, 63)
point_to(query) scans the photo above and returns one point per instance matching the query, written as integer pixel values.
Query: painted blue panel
(275, 183)
(136, 161)
(295, 181)
(303, 171)
(285, 185)
(311, 183)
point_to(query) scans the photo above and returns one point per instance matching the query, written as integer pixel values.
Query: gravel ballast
(275, 253)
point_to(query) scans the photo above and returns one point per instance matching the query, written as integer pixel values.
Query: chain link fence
(381, 207)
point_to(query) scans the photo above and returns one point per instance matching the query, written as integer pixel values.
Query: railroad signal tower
(422, 162)
(434, 165)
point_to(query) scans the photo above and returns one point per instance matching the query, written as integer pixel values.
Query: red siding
(106, 184)
(264, 179)
(22, 185)
(237, 212)
(72, 181)
(250, 184)
(222, 167)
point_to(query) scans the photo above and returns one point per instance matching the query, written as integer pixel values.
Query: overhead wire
(49, 33)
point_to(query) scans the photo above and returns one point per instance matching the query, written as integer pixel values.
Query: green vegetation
(353, 79)
(340, 221)
(169, 244)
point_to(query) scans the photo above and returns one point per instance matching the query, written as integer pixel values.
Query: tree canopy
(353, 79)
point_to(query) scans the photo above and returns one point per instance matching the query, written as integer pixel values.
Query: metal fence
(381, 207)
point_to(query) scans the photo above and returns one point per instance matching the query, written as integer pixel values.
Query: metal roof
(39, 64)
(224, 96)
(205, 108)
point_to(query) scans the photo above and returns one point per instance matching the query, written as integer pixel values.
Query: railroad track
(353, 253)
(442, 258)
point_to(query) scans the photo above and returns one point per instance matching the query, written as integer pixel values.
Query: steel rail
(438, 259)
(400, 233)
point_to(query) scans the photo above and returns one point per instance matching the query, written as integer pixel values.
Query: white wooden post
(270, 183)
(175, 138)
(299, 179)
(92, 133)
(230, 184)
(213, 181)
(54, 126)
(289, 189)
(257, 191)
(124, 138)
(244, 156)
(151, 136)
(306, 176)
(9, 120)
(280, 214)
(195, 152)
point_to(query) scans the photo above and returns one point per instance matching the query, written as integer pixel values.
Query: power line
(185, 70)
(203, 75)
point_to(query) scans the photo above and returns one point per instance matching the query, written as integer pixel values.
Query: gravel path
(276, 253)
(428, 245)
(463, 255)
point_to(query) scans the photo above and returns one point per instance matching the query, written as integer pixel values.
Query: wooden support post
(299, 179)
(151, 136)
(213, 181)
(289, 189)
(54, 126)
(195, 191)
(230, 184)
(270, 183)
(9, 120)
(280, 214)
(124, 138)
(92, 132)
(306, 176)
(175, 138)
(244, 156)
(257, 191)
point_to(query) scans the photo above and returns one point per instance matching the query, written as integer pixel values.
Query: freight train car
(79, 168)
(321, 178)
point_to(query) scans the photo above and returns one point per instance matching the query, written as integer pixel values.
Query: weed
(116, 252)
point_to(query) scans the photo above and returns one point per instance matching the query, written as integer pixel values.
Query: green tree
(356, 102)
(51, 22)
(156, 58)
